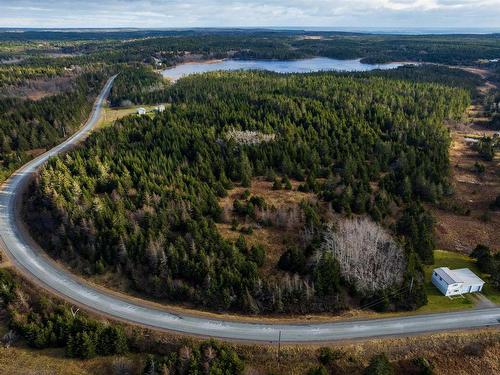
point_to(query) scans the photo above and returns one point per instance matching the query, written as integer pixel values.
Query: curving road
(28, 257)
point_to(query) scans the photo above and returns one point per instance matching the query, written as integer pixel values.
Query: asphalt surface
(29, 258)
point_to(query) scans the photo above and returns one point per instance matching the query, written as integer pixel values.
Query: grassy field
(110, 115)
(453, 260)
(23, 360)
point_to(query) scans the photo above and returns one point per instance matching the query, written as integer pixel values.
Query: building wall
(440, 284)
(471, 288)
(445, 288)
(454, 289)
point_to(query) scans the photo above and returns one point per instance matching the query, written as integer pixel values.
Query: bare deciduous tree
(249, 137)
(369, 257)
(281, 217)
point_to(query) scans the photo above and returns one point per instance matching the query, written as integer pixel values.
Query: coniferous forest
(140, 199)
(27, 125)
(285, 196)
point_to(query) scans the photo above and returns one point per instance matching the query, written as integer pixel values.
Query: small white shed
(141, 111)
(455, 282)
(160, 108)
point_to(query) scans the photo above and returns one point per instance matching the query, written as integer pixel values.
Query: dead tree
(369, 257)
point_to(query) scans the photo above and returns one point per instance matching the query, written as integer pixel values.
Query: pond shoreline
(308, 65)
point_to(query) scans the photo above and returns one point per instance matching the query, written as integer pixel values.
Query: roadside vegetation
(42, 322)
(147, 203)
(30, 126)
(146, 352)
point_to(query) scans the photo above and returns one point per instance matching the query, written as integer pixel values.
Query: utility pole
(411, 284)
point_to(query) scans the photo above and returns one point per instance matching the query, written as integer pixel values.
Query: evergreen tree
(379, 365)
(327, 275)
(111, 340)
(245, 171)
(417, 225)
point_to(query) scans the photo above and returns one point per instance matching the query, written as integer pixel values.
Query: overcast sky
(225, 13)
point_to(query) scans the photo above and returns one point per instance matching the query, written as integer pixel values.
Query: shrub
(328, 356)
(293, 260)
(474, 350)
(379, 365)
(479, 168)
(484, 259)
(423, 366)
(258, 255)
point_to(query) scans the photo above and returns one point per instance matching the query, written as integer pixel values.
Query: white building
(455, 282)
(160, 108)
(141, 111)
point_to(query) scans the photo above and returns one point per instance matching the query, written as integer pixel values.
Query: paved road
(27, 256)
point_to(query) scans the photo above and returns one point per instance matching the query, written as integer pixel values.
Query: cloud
(225, 13)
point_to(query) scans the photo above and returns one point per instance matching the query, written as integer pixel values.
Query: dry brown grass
(472, 191)
(110, 115)
(461, 353)
(471, 352)
(274, 239)
(264, 189)
(24, 361)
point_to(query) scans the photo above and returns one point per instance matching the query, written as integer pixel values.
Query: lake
(280, 66)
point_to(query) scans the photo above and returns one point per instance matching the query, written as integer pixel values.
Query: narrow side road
(29, 258)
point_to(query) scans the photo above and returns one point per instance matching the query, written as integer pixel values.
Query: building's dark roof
(446, 274)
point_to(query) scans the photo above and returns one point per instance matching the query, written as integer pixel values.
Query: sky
(251, 13)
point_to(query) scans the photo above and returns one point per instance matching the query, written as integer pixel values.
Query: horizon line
(348, 29)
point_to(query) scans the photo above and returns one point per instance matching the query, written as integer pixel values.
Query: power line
(376, 302)
(380, 299)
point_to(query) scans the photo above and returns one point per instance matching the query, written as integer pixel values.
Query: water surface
(280, 66)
